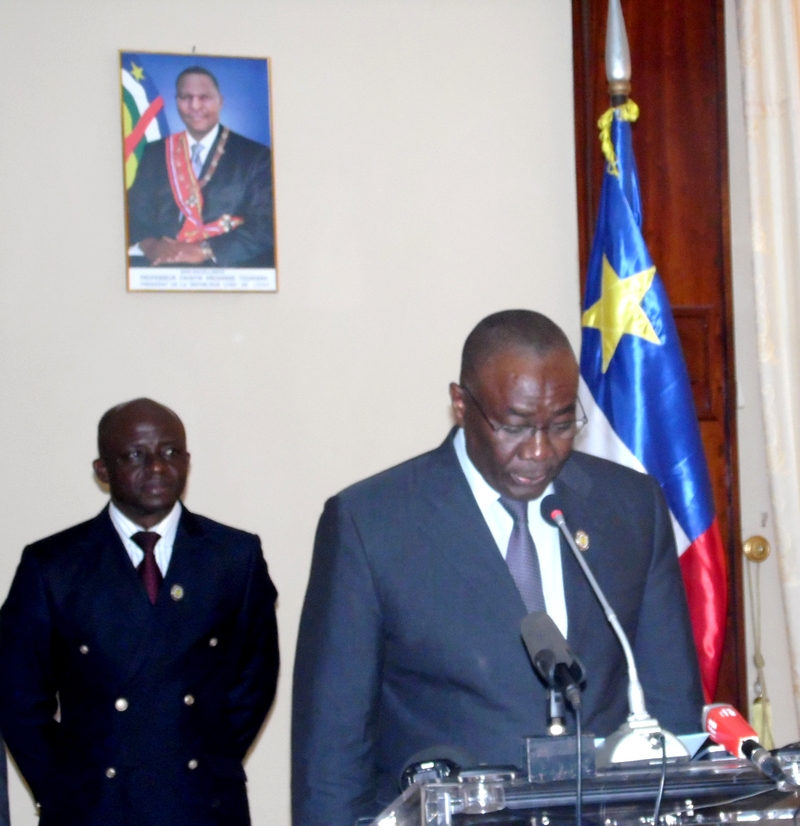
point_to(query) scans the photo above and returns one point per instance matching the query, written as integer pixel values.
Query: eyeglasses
(560, 431)
(139, 457)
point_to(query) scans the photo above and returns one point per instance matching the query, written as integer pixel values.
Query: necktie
(148, 568)
(197, 162)
(521, 556)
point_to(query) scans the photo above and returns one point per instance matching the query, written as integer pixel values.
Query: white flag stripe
(152, 133)
(135, 90)
(600, 439)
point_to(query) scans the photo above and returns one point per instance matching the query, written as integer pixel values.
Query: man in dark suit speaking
(410, 633)
(203, 196)
(139, 650)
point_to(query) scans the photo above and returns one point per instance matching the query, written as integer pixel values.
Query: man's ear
(457, 399)
(100, 470)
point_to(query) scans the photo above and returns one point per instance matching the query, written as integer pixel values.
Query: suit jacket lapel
(117, 604)
(573, 488)
(462, 537)
(111, 602)
(210, 154)
(179, 591)
(182, 597)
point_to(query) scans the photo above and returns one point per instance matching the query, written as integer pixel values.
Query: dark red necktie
(148, 568)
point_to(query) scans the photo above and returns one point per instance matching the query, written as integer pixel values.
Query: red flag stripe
(704, 570)
(137, 133)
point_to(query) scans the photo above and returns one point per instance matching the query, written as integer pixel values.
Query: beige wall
(425, 177)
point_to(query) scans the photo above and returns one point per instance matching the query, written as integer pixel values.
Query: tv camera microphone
(726, 727)
(560, 669)
(639, 737)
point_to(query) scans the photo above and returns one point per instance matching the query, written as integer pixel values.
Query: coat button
(192, 764)
(188, 700)
(121, 704)
(111, 773)
(213, 642)
(84, 649)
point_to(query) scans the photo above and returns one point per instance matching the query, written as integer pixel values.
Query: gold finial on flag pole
(618, 55)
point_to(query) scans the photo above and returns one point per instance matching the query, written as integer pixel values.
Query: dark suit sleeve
(337, 680)
(152, 211)
(4, 814)
(250, 198)
(27, 685)
(253, 688)
(664, 646)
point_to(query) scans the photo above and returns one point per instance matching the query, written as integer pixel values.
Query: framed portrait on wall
(198, 171)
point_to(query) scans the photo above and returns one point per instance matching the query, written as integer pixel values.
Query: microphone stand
(639, 737)
(557, 713)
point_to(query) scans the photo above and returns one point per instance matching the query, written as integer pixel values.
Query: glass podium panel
(700, 793)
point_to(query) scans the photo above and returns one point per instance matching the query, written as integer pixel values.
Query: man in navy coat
(410, 633)
(139, 650)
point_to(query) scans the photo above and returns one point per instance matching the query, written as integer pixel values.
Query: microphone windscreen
(540, 633)
(549, 504)
(727, 727)
(454, 754)
(435, 762)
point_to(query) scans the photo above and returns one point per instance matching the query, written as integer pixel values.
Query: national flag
(143, 118)
(636, 387)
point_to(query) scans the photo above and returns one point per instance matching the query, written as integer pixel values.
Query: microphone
(435, 763)
(560, 669)
(726, 727)
(639, 737)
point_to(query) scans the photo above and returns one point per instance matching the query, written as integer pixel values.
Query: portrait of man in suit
(202, 196)
(139, 650)
(410, 638)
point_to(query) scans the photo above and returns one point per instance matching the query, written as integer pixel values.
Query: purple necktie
(521, 557)
(148, 568)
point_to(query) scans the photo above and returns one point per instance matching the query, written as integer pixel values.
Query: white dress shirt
(545, 537)
(166, 529)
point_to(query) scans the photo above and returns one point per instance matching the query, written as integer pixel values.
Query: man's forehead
(164, 428)
(140, 419)
(197, 79)
(519, 360)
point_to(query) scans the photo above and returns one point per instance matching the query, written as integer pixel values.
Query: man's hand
(169, 251)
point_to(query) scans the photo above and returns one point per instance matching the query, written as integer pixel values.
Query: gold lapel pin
(582, 540)
(176, 592)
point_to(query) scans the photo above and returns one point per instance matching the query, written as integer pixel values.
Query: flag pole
(618, 55)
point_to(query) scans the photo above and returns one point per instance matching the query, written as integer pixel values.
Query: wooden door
(680, 141)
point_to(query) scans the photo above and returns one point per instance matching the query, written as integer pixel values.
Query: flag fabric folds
(636, 389)
(143, 118)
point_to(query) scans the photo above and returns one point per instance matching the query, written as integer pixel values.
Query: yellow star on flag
(618, 310)
(137, 71)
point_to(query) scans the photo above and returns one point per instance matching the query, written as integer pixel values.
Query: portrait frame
(198, 172)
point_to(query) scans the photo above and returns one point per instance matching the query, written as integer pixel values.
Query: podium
(696, 793)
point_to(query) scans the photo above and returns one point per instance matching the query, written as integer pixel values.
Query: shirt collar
(168, 526)
(484, 493)
(206, 141)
